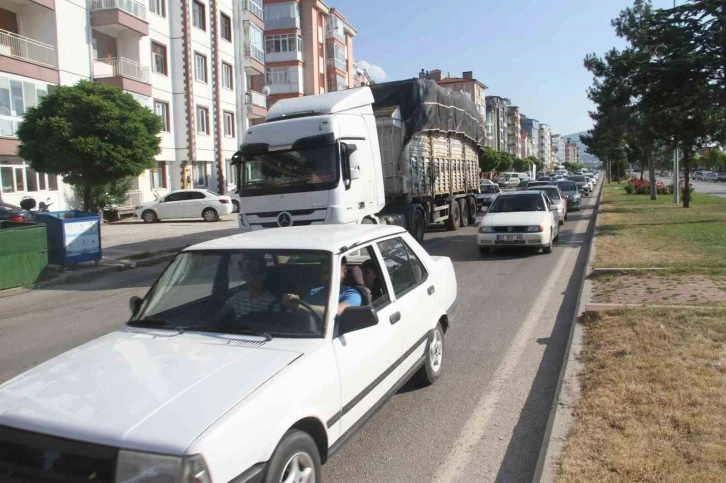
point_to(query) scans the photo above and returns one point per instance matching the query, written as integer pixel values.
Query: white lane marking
(475, 427)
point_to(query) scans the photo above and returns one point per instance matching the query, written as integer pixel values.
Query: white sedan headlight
(134, 467)
(486, 229)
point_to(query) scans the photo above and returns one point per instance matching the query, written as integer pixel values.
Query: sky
(530, 51)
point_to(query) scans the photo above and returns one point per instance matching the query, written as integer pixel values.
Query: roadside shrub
(682, 185)
(629, 188)
(642, 187)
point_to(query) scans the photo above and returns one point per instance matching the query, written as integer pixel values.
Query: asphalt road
(483, 420)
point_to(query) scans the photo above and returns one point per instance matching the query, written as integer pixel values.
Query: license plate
(508, 237)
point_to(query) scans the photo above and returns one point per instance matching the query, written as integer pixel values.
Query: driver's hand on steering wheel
(290, 299)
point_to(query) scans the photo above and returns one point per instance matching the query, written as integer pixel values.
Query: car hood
(486, 195)
(140, 390)
(524, 218)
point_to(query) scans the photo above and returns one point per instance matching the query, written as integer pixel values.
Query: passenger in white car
(255, 298)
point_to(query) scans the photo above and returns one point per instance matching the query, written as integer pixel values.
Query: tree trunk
(651, 174)
(88, 199)
(686, 177)
(642, 168)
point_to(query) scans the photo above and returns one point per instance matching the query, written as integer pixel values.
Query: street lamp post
(676, 178)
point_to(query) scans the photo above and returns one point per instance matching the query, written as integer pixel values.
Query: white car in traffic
(189, 203)
(522, 219)
(556, 197)
(253, 358)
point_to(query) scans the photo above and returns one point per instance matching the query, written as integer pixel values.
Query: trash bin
(23, 253)
(73, 236)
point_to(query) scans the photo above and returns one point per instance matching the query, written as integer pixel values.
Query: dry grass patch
(656, 287)
(637, 232)
(653, 400)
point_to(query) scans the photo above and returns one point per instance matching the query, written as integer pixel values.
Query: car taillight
(223, 201)
(20, 218)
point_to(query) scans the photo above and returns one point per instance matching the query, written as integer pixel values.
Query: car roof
(331, 238)
(535, 188)
(518, 193)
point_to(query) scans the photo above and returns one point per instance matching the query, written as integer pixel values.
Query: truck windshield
(293, 170)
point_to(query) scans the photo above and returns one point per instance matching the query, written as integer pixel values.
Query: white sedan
(519, 219)
(196, 203)
(253, 358)
(555, 197)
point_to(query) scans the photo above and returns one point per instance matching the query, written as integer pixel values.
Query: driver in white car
(348, 297)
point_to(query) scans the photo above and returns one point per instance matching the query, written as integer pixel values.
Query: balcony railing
(256, 99)
(133, 199)
(255, 52)
(334, 34)
(13, 45)
(338, 64)
(121, 67)
(131, 7)
(256, 9)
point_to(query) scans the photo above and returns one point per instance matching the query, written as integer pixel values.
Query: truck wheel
(452, 222)
(464, 209)
(472, 210)
(418, 228)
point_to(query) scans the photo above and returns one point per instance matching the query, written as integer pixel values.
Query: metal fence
(256, 99)
(251, 50)
(121, 67)
(132, 7)
(13, 45)
(255, 9)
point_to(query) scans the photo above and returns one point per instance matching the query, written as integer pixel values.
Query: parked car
(571, 193)
(196, 203)
(721, 176)
(489, 193)
(10, 212)
(697, 175)
(556, 197)
(211, 379)
(582, 183)
(709, 176)
(519, 219)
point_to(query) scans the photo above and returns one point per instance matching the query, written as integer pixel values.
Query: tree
(491, 160)
(108, 194)
(533, 160)
(92, 134)
(522, 165)
(572, 166)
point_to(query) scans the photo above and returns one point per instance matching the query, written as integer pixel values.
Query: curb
(92, 273)
(546, 454)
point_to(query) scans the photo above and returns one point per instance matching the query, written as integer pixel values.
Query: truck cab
(315, 160)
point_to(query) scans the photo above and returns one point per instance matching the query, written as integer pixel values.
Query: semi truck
(403, 153)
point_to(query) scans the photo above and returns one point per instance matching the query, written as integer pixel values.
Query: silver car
(558, 199)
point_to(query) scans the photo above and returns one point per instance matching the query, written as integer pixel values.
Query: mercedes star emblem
(284, 219)
(509, 228)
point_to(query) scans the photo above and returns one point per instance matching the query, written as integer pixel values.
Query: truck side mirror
(350, 172)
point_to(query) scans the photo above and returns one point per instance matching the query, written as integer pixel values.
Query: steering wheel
(309, 308)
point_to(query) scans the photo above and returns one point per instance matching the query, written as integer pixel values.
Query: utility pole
(676, 177)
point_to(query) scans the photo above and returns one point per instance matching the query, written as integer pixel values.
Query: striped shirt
(243, 304)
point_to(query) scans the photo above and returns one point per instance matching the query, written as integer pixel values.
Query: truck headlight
(486, 229)
(135, 467)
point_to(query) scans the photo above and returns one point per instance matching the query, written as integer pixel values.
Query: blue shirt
(348, 295)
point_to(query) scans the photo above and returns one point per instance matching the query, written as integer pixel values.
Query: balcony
(256, 104)
(114, 16)
(255, 8)
(338, 64)
(254, 59)
(123, 73)
(27, 57)
(283, 23)
(334, 34)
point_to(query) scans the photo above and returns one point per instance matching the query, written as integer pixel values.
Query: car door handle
(395, 317)
(431, 290)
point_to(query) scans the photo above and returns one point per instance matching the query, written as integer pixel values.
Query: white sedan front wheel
(295, 460)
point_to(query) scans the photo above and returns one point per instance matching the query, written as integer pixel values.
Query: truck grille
(506, 229)
(27, 457)
(274, 214)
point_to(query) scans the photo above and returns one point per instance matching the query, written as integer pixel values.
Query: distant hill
(586, 158)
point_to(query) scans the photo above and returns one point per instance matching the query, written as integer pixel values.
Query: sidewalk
(125, 239)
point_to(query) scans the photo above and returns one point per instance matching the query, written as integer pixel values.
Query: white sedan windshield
(241, 291)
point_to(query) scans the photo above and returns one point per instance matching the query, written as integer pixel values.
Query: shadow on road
(526, 440)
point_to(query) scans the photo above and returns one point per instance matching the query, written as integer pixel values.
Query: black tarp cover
(426, 106)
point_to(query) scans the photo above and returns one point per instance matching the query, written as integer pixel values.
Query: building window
(202, 120)
(17, 176)
(158, 7)
(225, 24)
(162, 110)
(227, 77)
(283, 43)
(158, 52)
(200, 16)
(199, 171)
(158, 176)
(228, 124)
(281, 75)
(200, 67)
(282, 11)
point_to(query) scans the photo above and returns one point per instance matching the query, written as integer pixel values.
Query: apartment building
(514, 132)
(191, 62)
(558, 153)
(572, 152)
(544, 145)
(474, 89)
(308, 49)
(531, 127)
(497, 122)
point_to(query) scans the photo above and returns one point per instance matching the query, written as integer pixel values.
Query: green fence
(23, 254)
